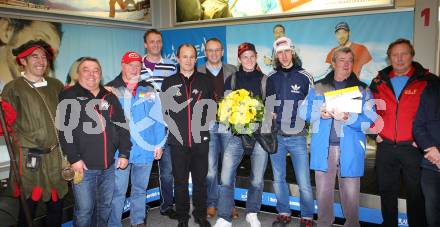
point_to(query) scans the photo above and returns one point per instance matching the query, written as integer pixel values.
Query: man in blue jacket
(426, 131)
(292, 85)
(141, 105)
(338, 140)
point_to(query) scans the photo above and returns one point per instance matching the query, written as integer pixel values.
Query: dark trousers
(54, 213)
(431, 191)
(185, 160)
(391, 160)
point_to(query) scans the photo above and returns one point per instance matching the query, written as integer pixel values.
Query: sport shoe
(282, 219)
(222, 223)
(211, 212)
(306, 222)
(252, 219)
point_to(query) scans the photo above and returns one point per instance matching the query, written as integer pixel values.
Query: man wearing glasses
(219, 138)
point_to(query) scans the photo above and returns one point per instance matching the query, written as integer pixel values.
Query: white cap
(282, 43)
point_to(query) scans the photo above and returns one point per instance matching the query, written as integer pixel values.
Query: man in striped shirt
(154, 70)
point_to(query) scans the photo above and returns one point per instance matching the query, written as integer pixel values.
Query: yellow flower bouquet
(241, 112)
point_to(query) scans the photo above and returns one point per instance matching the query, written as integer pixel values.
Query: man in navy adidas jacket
(292, 83)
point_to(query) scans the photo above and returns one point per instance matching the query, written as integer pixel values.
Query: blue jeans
(166, 180)
(296, 146)
(217, 146)
(96, 189)
(231, 159)
(140, 175)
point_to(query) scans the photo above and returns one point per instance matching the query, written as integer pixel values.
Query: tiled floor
(156, 220)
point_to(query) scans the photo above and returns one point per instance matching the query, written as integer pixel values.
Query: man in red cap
(141, 105)
(35, 97)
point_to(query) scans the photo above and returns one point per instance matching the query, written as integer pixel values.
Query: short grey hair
(345, 50)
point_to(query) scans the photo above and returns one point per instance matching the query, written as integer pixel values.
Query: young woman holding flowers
(249, 78)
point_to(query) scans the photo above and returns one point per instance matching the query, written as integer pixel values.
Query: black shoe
(183, 224)
(203, 222)
(171, 213)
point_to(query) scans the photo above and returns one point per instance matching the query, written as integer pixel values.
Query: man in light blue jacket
(141, 105)
(338, 140)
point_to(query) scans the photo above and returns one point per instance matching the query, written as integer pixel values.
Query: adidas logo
(295, 88)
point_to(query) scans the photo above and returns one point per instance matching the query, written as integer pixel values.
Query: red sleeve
(10, 115)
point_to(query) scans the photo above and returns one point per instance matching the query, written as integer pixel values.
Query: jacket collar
(352, 80)
(118, 82)
(294, 67)
(191, 78)
(418, 72)
(81, 91)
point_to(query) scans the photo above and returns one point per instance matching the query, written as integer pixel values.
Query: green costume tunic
(35, 129)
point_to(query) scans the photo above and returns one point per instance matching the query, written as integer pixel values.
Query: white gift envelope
(344, 100)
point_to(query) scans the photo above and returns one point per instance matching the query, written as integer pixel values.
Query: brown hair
(401, 41)
(214, 40)
(186, 45)
(151, 31)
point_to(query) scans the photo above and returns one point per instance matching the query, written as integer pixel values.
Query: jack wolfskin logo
(410, 92)
(295, 88)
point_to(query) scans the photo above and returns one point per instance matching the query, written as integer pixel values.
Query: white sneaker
(252, 219)
(222, 223)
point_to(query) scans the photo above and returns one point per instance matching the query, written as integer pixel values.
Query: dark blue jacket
(426, 128)
(291, 86)
(250, 81)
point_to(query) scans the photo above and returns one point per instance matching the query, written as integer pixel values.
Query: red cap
(29, 47)
(29, 51)
(245, 47)
(130, 56)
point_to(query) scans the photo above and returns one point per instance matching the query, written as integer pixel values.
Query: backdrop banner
(123, 10)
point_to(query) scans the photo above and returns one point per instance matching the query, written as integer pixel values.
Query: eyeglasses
(213, 50)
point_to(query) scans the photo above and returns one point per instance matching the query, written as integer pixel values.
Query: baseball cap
(131, 56)
(29, 47)
(342, 25)
(282, 43)
(245, 47)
